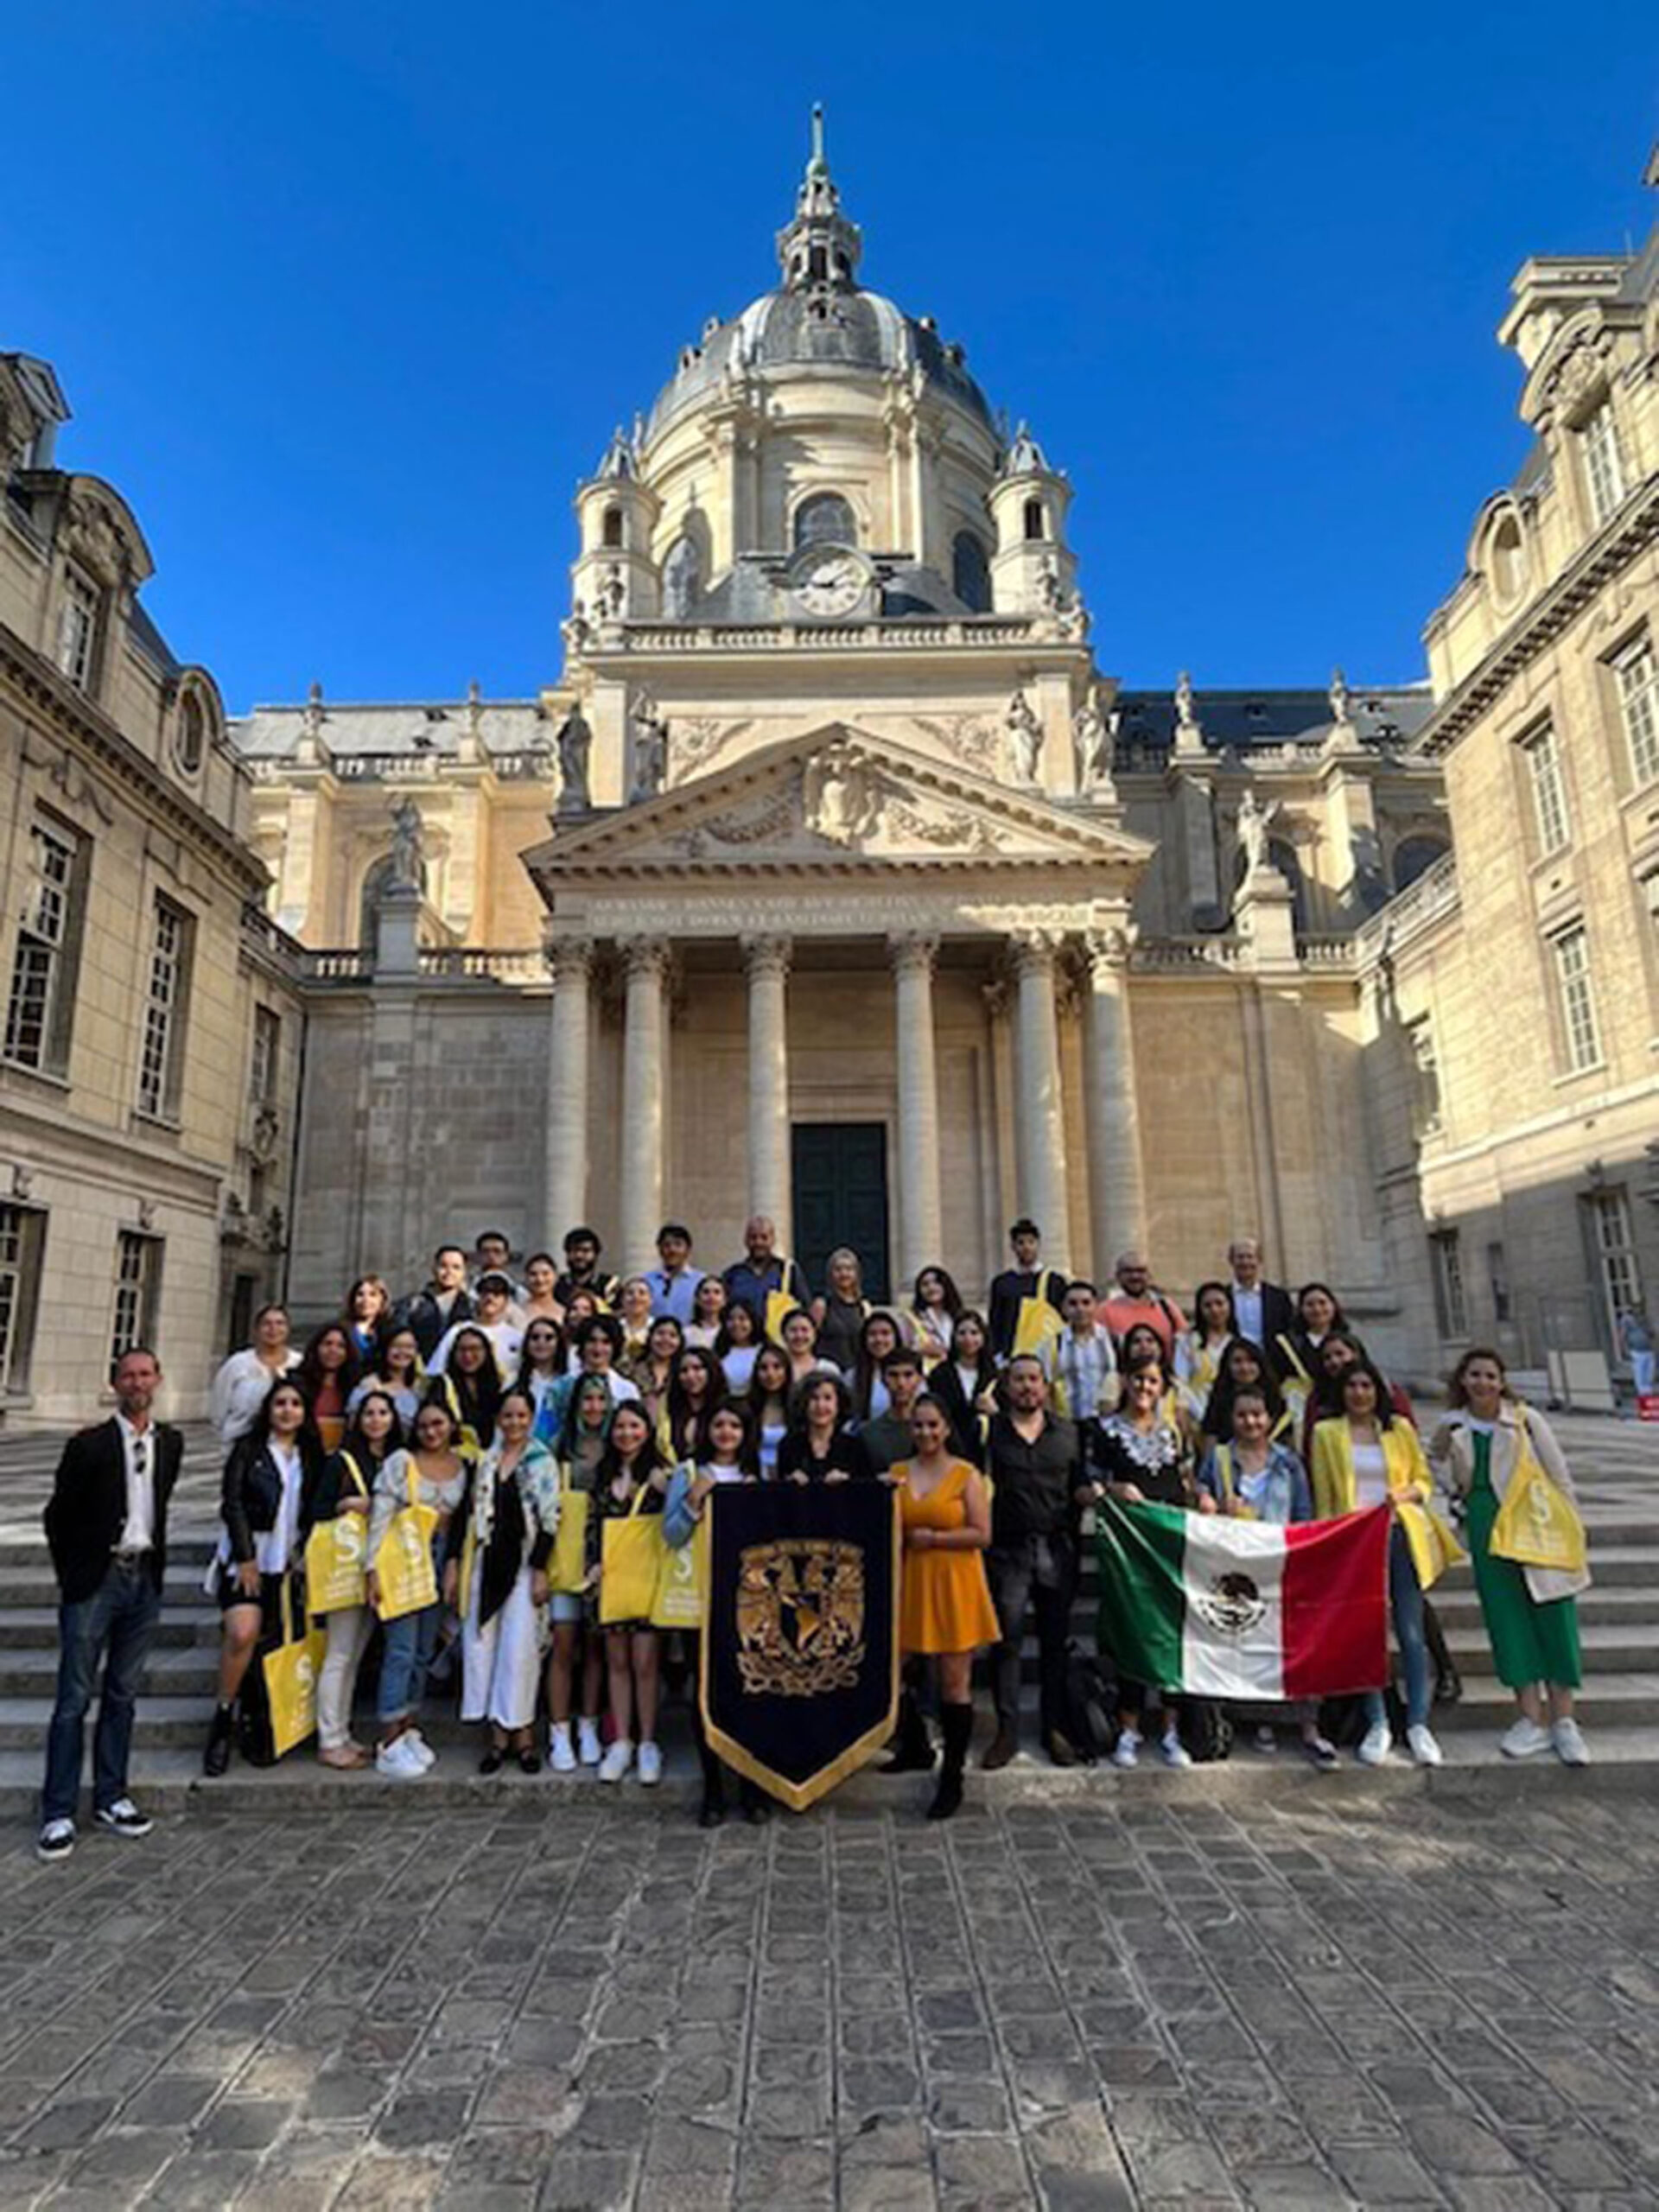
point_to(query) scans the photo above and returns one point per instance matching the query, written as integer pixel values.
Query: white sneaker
(1570, 1747)
(399, 1759)
(589, 1750)
(1523, 1738)
(650, 1764)
(560, 1756)
(57, 1840)
(422, 1750)
(1127, 1750)
(1375, 1744)
(617, 1761)
(1267, 1740)
(1424, 1749)
(1174, 1750)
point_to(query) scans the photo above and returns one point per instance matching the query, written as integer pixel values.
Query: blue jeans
(411, 1643)
(114, 1626)
(1406, 1602)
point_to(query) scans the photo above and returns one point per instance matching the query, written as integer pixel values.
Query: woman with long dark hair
(573, 1612)
(511, 1513)
(430, 1472)
(768, 1395)
(471, 1388)
(935, 1305)
(327, 1375)
(879, 1336)
(737, 1346)
(260, 1501)
(346, 1488)
(694, 1390)
(398, 1371)
(730, 1455)
(965, 1385)
(820, 1447)
(631, 1464)
(1199, 1351)
(1244, 1367)
(541, 1372)
(366, 1315)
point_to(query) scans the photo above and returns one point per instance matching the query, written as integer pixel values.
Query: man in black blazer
(107, 1525)
(1266, 1312)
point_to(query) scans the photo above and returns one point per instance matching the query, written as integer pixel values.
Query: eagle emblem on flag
(1231, 1604)
(799, 1614)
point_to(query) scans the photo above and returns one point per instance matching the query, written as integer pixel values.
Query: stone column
(921, 1227)
(571, 961)
(1040, 1119)
(1117, 1190)
(767, 961)
(645, 1084)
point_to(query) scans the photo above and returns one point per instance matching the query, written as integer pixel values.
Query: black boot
(958, 1724)
(912, 1751)
(713, 1809)
(217, 1756)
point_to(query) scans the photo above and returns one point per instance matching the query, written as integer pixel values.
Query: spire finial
(818, 166)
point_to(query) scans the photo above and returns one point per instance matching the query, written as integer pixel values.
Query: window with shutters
(39, 1011)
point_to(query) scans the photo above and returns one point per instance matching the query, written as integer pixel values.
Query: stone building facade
(148, 1065)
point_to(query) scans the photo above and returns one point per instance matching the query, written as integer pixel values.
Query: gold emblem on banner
(800, 1616)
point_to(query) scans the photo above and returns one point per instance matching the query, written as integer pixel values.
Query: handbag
(336, 1557)
(631, 1559)
(290, 1672)
(1537, 1524)
(566, 1569)
(402, 1565)
(683, 1582)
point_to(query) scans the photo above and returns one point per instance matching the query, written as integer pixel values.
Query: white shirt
(138, 1450)
(738, 1366)
(1371, 1476)
(274, 1547)
(240, 1387)
(1247, 1307)
(506, 1342)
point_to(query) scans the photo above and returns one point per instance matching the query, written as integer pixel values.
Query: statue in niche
(1024, 738)
(575, 742)
(649, 768)
(408, 870)
(1254, 821)
(682, 578)
(612, 596)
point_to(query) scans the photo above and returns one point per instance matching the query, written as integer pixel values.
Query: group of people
(470, 1442)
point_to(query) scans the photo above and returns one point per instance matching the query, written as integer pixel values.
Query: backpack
(1206, 1730)
(1090, 1706)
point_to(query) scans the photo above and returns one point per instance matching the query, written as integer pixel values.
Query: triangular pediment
(834, 800)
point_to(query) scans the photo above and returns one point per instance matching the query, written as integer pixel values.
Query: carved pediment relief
(835, 799)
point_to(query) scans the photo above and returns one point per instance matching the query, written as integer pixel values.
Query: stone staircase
(1618, 1465)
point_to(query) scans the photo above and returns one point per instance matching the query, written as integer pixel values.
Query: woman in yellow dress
(945, 1611)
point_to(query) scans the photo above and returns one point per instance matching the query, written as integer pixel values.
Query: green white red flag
(1225, 1608)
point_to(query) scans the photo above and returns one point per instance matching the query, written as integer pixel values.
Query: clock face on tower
(827, 583)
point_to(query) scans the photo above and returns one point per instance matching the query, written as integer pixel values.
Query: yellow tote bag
(683, 1582)
(566, 1569)
(631, 1559)
(1035, 1327)
(408, 1579)
(290, 1673)
(778, 1303)
(1432, 1545)
(336, 1556)
(1537, 1525)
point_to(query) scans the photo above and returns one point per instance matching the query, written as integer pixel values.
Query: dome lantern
(820, 249)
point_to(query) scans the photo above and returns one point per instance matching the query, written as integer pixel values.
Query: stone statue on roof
(649, 768)
(1024, 738)
(407, 847)
(575, 742)
(1340, 697)
(1254, 821)
(1094, 740)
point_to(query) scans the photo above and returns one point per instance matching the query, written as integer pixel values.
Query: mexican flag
(1222, 1608)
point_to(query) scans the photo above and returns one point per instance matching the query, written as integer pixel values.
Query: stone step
(34, 1628)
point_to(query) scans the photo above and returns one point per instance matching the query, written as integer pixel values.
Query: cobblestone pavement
(1062, 2005)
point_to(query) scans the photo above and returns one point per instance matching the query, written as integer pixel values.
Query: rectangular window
(267, 1050)
(1579, 1029)
(1618, 1269)
(22, 1234)
(137, 1291)
(77, 630)
(1498, 1277)
(40, 1009)
(1548, 791)
(1450, 1309)
(1637, 674)
(161, 1052)
(1604, 466)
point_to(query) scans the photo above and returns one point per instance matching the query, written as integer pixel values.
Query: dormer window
(1604, 464)
(78, 629)
(825, 519)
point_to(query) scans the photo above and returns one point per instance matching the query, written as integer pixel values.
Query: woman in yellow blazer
(1365, 1457)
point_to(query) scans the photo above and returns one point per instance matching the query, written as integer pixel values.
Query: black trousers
(1038, 1575)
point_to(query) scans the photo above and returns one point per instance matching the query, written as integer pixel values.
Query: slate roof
(1390, 714)
(413, 727)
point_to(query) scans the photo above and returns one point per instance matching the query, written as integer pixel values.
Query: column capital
(1109, 948)
(766, 956)
(1032, 951)
(570, 958)
(644, 955)
(912, 952)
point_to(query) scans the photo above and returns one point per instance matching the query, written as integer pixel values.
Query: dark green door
(840, 1197)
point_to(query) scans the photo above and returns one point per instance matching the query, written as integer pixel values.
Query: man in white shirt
(106, 1526)
(1264, 1311)
(493, 1295)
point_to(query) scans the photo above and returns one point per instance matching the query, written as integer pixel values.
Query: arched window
(192, 740)
(681, 578)
(1036, 527)
(1508, 559)
(970, 573)
(612, 526)
(1415, 856)
(825, 519)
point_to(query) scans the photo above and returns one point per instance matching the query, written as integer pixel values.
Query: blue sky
(347, 295)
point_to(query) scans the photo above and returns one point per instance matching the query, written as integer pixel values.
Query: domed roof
(847, 328)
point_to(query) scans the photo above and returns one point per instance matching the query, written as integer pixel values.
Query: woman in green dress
(1531, 1612)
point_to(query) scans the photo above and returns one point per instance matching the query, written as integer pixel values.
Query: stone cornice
(62, 713)
(1625, 538)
